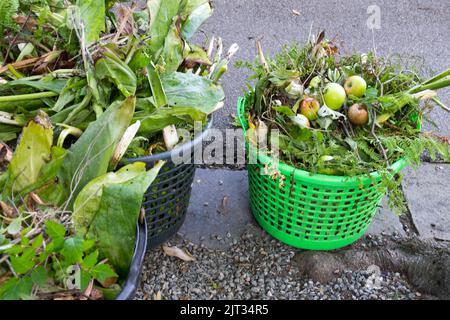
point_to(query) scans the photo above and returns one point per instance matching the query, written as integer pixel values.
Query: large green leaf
(190, 90)
(88, 200)
(164, 117)
(115, 70)
(162, 13)
(92, 13)
(197, 11)
(32, 153)
(89, 157)
(110, 219)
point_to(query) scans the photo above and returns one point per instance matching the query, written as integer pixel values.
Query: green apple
(309, 107)
(358, 114)
(355, 86)
(334, 96)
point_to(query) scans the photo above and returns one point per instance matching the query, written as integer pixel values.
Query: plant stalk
(29, 96)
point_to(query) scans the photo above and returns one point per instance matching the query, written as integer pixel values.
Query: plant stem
(439, 84)
(30, 96)
(438, 77)
(440, 104)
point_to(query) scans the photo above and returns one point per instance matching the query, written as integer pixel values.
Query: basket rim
(167, 155)
(307, 176)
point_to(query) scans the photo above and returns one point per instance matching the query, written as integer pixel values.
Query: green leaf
(92, 13)
(190, 90)
(172, 56)
(16, 289)
(89, 199)
(54, 85)
(72, 250)
(199, 12)
(90, 260)
(102, 272)
(37, 242)
(89, 157)
(56, 232)
(112, 68)
(162, 13)
(284, 110)
(164, 117)
(113, 225)
(23, 263)
(111, 292)
(82, 279)
(31, 154)
(39, 276)
(68, 93)
(159, 96)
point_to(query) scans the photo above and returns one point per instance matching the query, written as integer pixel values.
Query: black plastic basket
(134, 275)
(167, 199)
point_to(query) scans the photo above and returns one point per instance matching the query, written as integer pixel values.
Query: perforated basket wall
(167, 200)
(307, 211)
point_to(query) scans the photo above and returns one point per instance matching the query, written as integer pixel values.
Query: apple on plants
(309, 107)
(334, 96)
(358, 115)
(355, 86)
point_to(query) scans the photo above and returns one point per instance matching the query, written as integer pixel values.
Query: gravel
(257, 267)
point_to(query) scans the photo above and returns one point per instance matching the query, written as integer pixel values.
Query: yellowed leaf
(182, 254)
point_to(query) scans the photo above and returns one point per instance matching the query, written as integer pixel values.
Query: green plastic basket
(311, 211)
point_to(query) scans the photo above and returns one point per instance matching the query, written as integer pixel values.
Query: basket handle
(241, 114)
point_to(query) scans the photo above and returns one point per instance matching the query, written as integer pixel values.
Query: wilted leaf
(179, 253)
(157, 296)
(196, 56)
(15, 226)
(31, 154)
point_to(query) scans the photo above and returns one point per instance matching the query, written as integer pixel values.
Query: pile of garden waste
(343, 115)
(83, 84)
